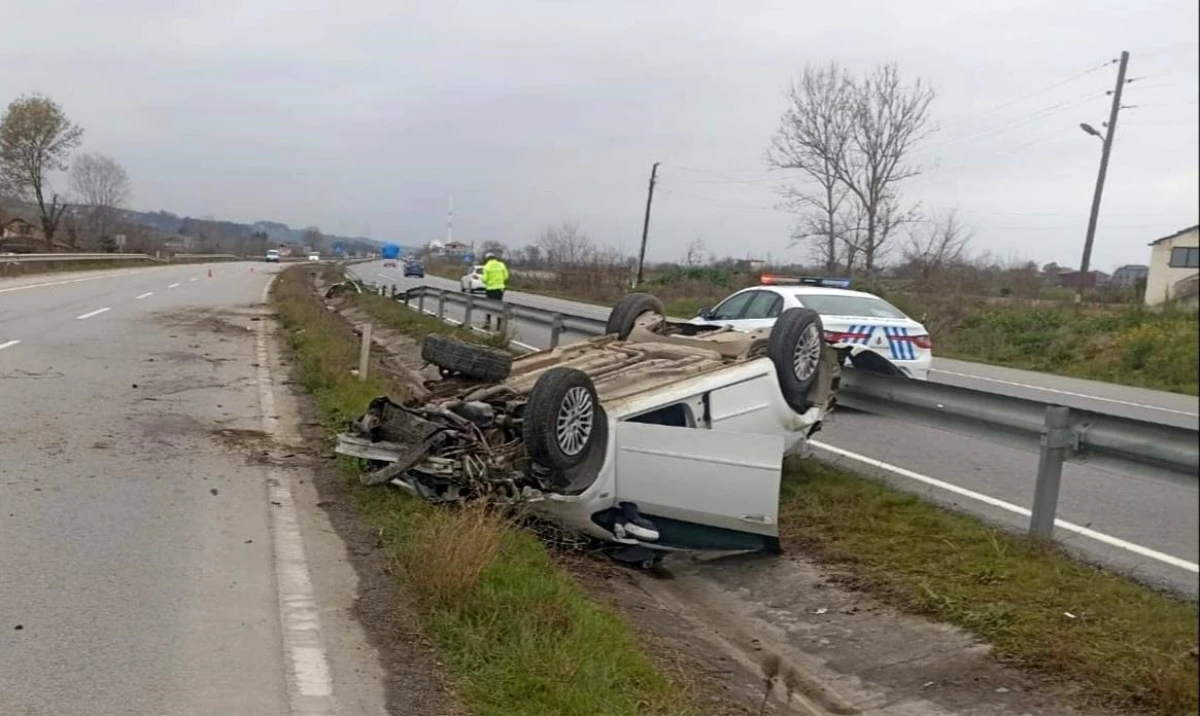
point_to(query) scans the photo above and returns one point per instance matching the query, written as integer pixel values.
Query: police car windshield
(864, 306)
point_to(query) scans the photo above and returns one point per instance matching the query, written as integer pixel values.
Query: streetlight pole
(646, 224)
(1104, 154)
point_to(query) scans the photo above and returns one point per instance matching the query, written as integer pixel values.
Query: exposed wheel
(625, 314)
(466, 359)
(559, 422)
(795, 347)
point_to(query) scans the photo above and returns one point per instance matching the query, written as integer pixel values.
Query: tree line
(37, 139)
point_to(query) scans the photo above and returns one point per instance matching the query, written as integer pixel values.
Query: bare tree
(101, 185)
(888, 120)
(936, 246)
(493, 247)
(813, 136)
(530, 255)
(696, 251)
(565, 245)
(36, 137)
(313, 239)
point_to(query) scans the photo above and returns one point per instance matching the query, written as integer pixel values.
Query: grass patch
(1125, 344)
(519, 636)
(1127, 644)
(387, 312)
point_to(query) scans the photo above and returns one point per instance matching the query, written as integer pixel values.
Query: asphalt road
(154, 542)
(1145, 524)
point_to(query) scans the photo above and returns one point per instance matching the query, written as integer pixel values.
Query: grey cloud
(371, 114)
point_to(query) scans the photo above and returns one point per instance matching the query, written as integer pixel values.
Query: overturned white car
(659, 436)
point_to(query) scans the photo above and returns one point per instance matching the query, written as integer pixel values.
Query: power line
(1033, 94)
(1017, 121)
(721, 172)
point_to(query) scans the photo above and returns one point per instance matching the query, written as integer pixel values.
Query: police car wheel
(795, 348)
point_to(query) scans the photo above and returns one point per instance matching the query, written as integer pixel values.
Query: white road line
(1065, 392)
(66, 281)
(96, 312)
(1009, 507)
(192, 278)
(144, 295)
(8, 344)
(309, 683)
(174, 285)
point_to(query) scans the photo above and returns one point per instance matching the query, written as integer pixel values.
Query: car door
(702, 489)
(761, 312)
(729, 312)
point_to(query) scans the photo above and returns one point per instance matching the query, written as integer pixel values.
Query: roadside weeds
(1128, 645)
(519, 636)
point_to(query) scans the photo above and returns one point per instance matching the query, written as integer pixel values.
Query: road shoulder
(380, 660)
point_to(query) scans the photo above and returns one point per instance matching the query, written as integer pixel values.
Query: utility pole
(646, 224)
(1104, 153)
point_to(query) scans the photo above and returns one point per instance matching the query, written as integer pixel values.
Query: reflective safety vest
(495, 275)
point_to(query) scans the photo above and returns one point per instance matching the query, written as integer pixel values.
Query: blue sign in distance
(468, 258)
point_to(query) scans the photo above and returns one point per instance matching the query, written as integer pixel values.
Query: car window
(828, 304)
(731, 308)
(765, 304)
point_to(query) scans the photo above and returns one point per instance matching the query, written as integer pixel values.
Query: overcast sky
(365, 116)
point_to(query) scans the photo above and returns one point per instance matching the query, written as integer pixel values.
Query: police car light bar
(769, 280)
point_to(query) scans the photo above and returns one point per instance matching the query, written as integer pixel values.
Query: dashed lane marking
(96, 312)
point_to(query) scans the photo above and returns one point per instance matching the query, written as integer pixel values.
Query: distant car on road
(272, 256)
(414, 268)
(473, 281)
(877, 335)
(314, 256)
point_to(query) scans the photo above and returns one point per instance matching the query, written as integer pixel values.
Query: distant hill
(276, 232)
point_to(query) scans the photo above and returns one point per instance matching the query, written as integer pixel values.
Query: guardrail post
(421, 301)
(394, 292)
(1056, 438)
(505, 318)
(364, 353)
(469, 310)
(556, 327)
(383, 289)
(441, 305)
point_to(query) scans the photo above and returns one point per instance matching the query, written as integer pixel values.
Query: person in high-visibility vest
(495, 280)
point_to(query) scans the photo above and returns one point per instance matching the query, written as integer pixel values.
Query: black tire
(559, 421)
(621, 319)
(472, 361)
(795, 347)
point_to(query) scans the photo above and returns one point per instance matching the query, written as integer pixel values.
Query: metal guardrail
(1060, 432)
(228, 257)
(556, 322)
(37, 258)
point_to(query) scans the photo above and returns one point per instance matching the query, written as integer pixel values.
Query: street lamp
(1091, 130)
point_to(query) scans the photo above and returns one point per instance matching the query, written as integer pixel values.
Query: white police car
(878, 335)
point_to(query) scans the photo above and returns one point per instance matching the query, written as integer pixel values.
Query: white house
(1174, 268)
